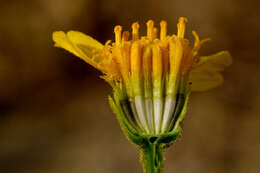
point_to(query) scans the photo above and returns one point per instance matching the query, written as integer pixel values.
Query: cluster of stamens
(151, 74)
(150, 69)
(152, 31)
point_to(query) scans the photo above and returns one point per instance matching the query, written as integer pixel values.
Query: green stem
(152, 158)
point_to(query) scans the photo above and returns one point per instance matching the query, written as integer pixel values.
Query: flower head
(152, 75)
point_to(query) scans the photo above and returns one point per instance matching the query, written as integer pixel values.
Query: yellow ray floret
(206, 72)
(148, 64)
(78, 43)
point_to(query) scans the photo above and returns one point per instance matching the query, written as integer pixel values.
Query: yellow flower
(152, 70)
(148, 56)
(152, 77)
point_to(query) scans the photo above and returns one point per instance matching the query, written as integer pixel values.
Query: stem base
(152, 157)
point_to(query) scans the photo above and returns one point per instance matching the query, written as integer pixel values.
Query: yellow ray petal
(61, 40)
(205, 81)
(216, 62)
(86, 43)
(77, 43)
(206, 73)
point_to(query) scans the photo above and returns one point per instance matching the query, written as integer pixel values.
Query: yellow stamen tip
(135, 26)
(150, 25)
(118, 30)
(181, 26)
(135, 31)
(163, 23)
(163, 33)
(183, 20)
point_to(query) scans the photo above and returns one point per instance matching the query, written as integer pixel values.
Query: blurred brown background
(54, 113)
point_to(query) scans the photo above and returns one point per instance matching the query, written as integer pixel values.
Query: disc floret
(151, 71)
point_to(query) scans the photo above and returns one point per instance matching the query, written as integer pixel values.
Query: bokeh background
(54, 113)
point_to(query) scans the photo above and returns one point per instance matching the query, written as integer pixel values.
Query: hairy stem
(152, 157)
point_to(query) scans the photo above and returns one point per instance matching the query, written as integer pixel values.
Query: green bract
(152, 146)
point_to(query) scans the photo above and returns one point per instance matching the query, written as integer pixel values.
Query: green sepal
(169, 138)
(181, 115)
(120, 106)
(121, 102)
(127, 128)
(152, 146)
(180, 98)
